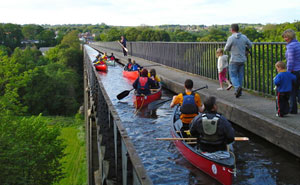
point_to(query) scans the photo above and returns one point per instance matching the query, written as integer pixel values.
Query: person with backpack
(190, 104)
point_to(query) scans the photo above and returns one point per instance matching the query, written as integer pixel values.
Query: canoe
(216, 165)
(101, 67)
(141, 101)
(132, 75)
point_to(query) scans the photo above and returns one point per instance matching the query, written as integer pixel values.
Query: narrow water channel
(258, 162)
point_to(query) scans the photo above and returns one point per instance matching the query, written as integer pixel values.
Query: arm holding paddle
(126, 93)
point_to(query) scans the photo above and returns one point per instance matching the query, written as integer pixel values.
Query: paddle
(158, 103)
(183, 139)
(123, 46)
(123, 94)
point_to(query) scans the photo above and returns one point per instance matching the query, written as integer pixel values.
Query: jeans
(295, 93)
(236, 72)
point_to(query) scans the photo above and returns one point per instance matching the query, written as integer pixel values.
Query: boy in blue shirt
(284, 81)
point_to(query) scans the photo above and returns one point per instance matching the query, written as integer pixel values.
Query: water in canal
(258, 162)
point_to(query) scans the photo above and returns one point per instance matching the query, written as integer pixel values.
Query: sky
(149, 12)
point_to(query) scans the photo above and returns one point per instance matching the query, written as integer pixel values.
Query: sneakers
(220, 89)
(238, 92)
(228, 88)
(279, 115)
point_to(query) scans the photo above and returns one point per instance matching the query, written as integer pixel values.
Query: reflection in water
(258, 162)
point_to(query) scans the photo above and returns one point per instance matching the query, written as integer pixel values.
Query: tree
(46, 38)
(214, 35)
(31, 31)
(71, 39)
(30, 151)
(13, 35)
(252, 34)
(132, 33)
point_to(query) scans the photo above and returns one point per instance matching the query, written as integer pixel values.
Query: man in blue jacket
(237, 44)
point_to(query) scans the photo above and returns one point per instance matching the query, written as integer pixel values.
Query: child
(135, 66)
(222, 69)
(284, 82)
(104, 57)
(152, 74)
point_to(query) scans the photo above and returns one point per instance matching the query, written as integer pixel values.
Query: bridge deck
(252, 112)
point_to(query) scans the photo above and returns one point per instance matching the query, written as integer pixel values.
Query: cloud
(149, 12)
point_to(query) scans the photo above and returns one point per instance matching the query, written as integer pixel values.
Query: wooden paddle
(123, 94)
(183, 139)
(123, 46)
(158, 103)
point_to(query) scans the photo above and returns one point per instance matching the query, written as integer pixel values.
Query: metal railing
(200, 58)
(111, 156)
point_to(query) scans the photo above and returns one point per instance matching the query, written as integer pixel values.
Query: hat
(144, 73)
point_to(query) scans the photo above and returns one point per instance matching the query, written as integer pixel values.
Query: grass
(74, 163)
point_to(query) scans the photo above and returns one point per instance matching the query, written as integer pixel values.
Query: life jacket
(209, 126)
(129, 66)
(143, 83)
(134, 67)
(189, 105)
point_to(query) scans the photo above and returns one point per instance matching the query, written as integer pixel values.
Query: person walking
(222, 69)
(237, 44)
(292, 56)
(123, 42)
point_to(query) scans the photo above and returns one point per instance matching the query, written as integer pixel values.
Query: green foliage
(46, 38)
(214, 35)
(183, 36)
(71, 40)
(30, 151)
(51, 90)
(32, 83)
(31, 31)
(11, 35)
(3, 51)
(252, 34)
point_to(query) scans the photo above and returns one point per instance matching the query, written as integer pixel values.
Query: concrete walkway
(252, 112)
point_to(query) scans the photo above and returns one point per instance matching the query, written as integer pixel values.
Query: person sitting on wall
(143, 84)
(213, 131)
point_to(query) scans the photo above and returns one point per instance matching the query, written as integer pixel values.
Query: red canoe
(220, 168)
(101, 67)
(143, 101)
(132, 75)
